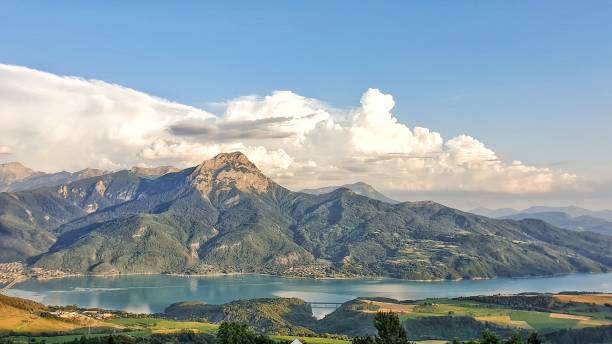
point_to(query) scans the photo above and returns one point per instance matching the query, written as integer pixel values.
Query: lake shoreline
(348, 278)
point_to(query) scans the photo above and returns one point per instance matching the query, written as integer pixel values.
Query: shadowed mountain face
(225, 215)
(359, 188)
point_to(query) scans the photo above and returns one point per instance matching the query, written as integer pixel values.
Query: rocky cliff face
(229, 171)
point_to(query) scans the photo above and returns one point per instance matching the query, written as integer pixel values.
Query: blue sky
(531, 79)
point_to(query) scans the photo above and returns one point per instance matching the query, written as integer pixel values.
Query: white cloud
(53, 122)
(4, 150)
(375, 130)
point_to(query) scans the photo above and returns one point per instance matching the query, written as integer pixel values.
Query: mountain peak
(359, 188)
(226, 171)
(88, 172)
(14, 171)
(153, 171)
(233, 158)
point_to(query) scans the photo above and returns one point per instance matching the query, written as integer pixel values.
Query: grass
(501, 316)
(157, 325)
(143, 327)
(598, 299)
(18, 320)
(542, 320)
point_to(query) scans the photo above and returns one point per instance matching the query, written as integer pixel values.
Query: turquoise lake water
(152, 293)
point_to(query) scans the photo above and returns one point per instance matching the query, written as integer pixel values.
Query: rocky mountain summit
(12, 172)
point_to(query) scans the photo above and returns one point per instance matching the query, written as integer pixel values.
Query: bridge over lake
(334, 305)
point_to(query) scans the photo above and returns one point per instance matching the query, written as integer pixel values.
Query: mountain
(154, 171)
(572, 211)
(359, 188)
(494, 213)
(13, 172)
(225, 215)
(29, 219)
(16, 177)
(564, 220)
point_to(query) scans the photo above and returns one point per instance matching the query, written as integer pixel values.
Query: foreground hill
(272, 316)
(559, 318)
(225, 215)
(464, 317)
(24, 316)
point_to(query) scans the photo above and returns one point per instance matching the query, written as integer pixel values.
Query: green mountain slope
(225, 215)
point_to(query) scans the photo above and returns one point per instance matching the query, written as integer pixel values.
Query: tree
(515, 339)
(363, 340)
(489, 337)
(390, 330)
(235, 333)
(534, 338)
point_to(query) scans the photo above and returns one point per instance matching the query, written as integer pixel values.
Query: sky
(322, 92)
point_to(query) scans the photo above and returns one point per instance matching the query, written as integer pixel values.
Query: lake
(152, 293)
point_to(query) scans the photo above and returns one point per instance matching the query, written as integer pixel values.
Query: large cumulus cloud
(53, 122)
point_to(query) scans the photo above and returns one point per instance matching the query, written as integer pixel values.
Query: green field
(505, 316)
(156, 325)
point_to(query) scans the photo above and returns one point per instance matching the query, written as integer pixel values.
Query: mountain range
(574, 218)
(225, 215)
(16, 177)
(571, 210)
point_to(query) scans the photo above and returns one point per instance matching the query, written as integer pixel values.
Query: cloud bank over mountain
(53, 122)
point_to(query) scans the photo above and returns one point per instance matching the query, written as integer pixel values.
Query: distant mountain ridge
(226, 215)
(564, 220)
(359, 188)
(570, 210)
(14, 176)
(571, 217)
(12, 172)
